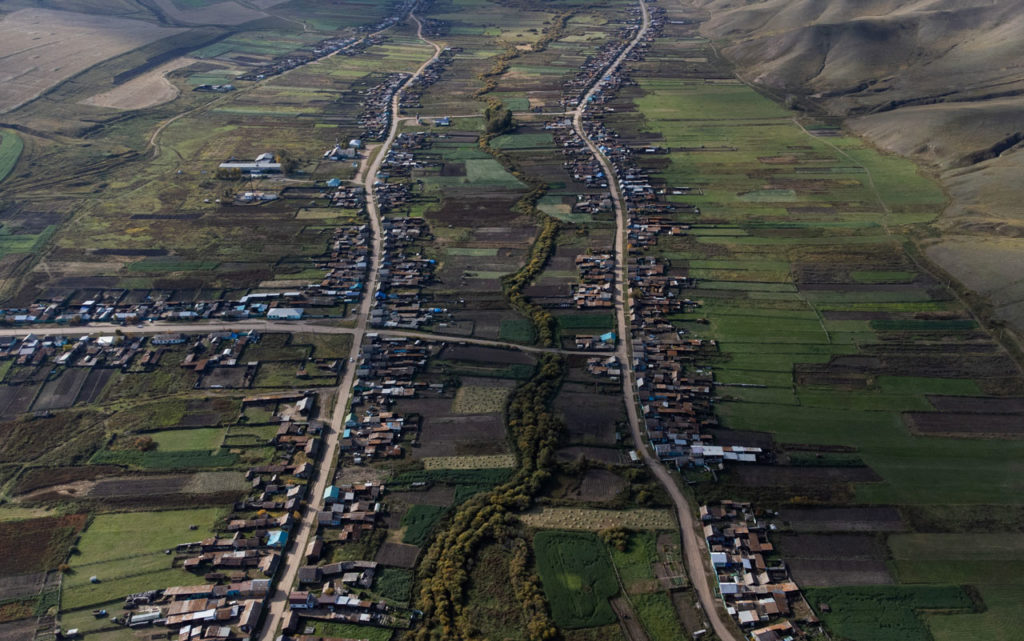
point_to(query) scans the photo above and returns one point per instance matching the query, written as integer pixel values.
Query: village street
(694, 545)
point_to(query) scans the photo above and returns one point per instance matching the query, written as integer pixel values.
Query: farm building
(285, 313)
(264, 164)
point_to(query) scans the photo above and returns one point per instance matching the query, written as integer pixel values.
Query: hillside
(939, 81)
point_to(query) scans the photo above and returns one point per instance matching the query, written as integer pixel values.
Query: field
(478, 399)
(126, 552)
(577, 576)
(10, 151)
(149, 89)
(43, 47)
(884, 613)
(419, 522)
(570, 518)
(469, 462)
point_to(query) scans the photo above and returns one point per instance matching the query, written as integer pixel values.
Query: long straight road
(694, 547)
(302, 532)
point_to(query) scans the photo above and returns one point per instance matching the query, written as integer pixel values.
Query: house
(442, 122)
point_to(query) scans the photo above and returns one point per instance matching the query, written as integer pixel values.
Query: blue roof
(334, 182)
(277, 537)
(331, 492)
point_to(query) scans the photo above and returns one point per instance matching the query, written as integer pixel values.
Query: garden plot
(591, 418)
(463, 435)
(842, 519)
(835, 559)
(496, 461)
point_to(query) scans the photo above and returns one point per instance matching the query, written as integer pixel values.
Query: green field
(11, 147)
(419, 523)
(184, 440)
(886, 613)
(577, 576)
(126, 553)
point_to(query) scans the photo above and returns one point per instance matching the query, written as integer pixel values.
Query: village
(753, 582)
(236, 568)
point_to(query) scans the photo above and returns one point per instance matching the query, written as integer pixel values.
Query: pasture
(126, 553)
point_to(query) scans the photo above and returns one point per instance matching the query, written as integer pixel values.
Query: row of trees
(501, 62)
(444, 571)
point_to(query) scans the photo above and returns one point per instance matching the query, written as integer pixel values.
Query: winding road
(694, 547)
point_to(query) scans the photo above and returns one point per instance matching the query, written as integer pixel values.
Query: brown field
(464, 435)
(41, 48)
(843, 519)
(149, 89)
(835, 559)
(804, 476)
(485, 355)
(981, 405)
(399, 555)
(36, 545)
(963, 424)
(17, 630)
(591, 419)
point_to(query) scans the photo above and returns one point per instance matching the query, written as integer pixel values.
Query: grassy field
(126, 552)
(11, 146)
(189, 439)
(884, 613)
(577, 576)
(419, 523)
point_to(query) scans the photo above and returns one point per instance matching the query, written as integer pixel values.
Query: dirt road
(693, 544)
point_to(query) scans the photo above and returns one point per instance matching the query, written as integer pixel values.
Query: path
(302, 532)
(693, 545)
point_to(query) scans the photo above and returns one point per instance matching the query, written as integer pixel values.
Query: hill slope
(941, 81)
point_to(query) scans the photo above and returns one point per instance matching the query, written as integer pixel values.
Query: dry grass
(496, 461)
(150, 89)
(570, 518)
(41, 48)
(477, 399)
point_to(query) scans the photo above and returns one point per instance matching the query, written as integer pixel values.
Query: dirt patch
(150, 89)
(398, 555)
(485, 355)
(843, 519)
(17, 630)
(627, 620)
(835, 559)
(571, 518)
(464, 435)
(804, 476)
(978, 404)
(61, 392)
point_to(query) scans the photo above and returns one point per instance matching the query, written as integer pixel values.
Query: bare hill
(940, 81)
